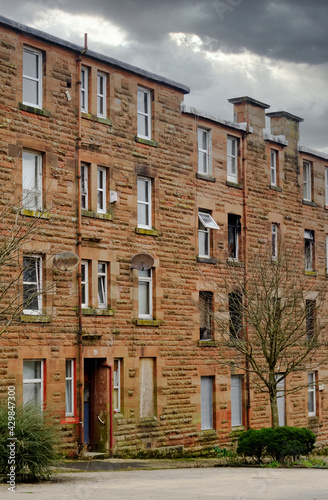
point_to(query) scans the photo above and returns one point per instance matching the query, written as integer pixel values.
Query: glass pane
(29, 272)
(143, 215)
(202, 162)
(231, 165)
(203, 243)
(31, 64)
(68, 397)
(69, 369)
(101, 268)
(100, 200)
(100, 105)
(30, 91)
(144, 298)
(206, 398)
(32, 369)
(31, 297)
(100, 85)
(30, 171)
(231, 147)
(142, 101)
(116, 406)
(32, 393)
(143, 125)
(101, 290)
(143, 194)
(236, 414)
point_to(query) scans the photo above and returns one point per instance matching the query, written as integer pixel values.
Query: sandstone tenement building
(112, 164)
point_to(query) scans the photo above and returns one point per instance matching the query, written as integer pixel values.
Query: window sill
(34, 213)
(118, 415)
(32, 109)
(148, 322)
(236, 185)
(35, 318)
(207, 434)
(69, 420)
(90, 311)
(309, 203)
(95, 118)
(205, 177)
(148, 142)
(310, 273)
(207, 343)
(275, 188)
(234, 263)
(96, 215)
(206, 260)
(148, 422)
(148, 232)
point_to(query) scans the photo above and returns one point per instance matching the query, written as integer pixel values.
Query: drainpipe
(244, 159)
(110, 389)
(79, 241)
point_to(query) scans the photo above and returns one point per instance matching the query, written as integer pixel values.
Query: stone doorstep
(94, 455)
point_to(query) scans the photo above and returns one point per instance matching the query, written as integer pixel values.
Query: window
(232, 159)
(206, 402)
(102, 285)
(310, 318)
(33, 382)
(32, 78)
(274, 240)
(273, 161)
(235, 314)
(311, 394)
(69, 388)
(236, 401)
(326, 186)
(32, 180)
(203, 141)
(144, 113)
(205, 315)
(101, 95)
(32, 285)
(307, 181)
(117, 385)
(145, 294)
(85, 283)
(281, 399)
(84, 89)
(234, 229)
(309, 250)
(205, 223)
(101, 190)
(84, 187)
(144, 203)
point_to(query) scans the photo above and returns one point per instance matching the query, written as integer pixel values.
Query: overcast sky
(274, 51)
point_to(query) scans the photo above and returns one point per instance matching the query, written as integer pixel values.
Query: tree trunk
(273, 400)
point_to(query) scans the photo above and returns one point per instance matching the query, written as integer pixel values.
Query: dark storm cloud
(289, 30)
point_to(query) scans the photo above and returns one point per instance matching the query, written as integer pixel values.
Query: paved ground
(179, 484)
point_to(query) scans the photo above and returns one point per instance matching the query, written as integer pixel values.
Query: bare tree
(274, 319)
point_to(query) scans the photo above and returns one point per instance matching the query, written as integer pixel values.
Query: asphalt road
(179, 484)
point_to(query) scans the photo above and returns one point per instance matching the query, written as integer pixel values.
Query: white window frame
(232, 159)
(204, 152)
(149, 283)
(206, 402)
(309, 236)
(273, 166)
(274, 240)
(37, 260)
(146, 204)
(102, 282)
(117, 385)
(307, 181)
(37, 79)
(34, 192)
(206, 222)
(84, 89)
(146, 115)
(69, 381)
(85, 284)
(30, 381)
(84, 186)
(101, 96)
(236, 401)
(312, 393)
(326, 186)
(101, 172)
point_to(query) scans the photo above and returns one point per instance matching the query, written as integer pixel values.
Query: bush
(35, 444)
(279, 443)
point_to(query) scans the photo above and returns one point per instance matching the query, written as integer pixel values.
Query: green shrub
(36, 442)
(279, 443)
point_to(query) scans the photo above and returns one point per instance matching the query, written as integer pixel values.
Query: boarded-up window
(147, 392)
